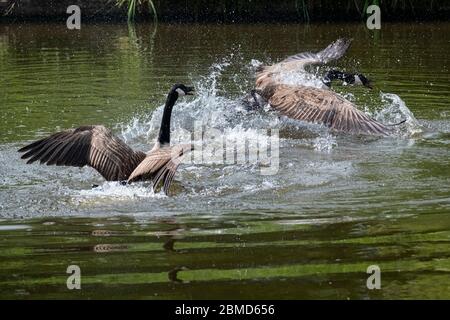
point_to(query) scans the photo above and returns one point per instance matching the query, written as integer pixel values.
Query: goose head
(182, 90)
(347, 78)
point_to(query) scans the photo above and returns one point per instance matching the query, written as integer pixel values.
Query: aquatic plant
(133, 4)
(10, 7)
(368, 3)
(304, 8)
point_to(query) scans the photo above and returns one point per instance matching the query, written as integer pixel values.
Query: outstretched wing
(325, 107)
(299, 61)
(334, 51)
(94, 146)
(160, 165)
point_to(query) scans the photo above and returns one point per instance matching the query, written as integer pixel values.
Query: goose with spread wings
(311, 104)
(97, 147)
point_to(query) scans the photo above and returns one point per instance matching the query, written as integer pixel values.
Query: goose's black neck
(164, 131)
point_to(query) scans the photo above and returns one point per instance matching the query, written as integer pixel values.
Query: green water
(336, 206)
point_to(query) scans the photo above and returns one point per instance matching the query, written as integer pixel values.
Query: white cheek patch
(357, 80)
(180, 92)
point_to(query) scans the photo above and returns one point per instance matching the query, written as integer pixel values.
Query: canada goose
(317, 105)
(298, 63)
(97, 147)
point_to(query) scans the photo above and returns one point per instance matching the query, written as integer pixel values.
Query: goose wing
(333, 51)
(325, 107)
(299, 61)
(160, 165)
(94, 146)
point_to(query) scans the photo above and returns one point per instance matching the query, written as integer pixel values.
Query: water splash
(216, 110)
(325, 143)
(254, 64)
(118, 191)
(301, 78)
(394, 111)
(210, 108)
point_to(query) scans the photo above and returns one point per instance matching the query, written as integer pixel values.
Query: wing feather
(325, 107)
(333, 51)
(94, 146)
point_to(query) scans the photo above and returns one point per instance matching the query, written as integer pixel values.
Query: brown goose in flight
(97, 147)
(317, 105)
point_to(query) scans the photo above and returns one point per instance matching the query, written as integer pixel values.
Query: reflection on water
(246, 255)
(337, 204)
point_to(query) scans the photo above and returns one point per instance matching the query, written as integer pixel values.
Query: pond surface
(337, 204)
